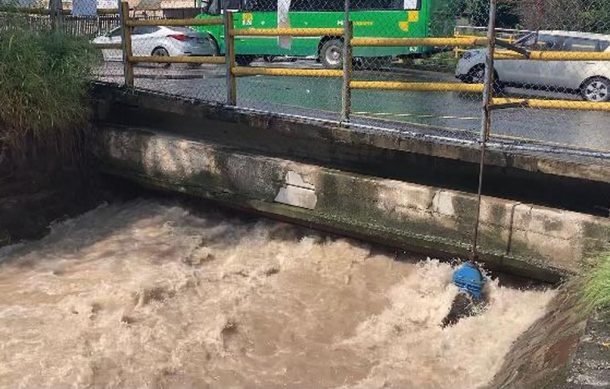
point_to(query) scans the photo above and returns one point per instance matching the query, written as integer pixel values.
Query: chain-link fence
(411, 64)
(562, 80)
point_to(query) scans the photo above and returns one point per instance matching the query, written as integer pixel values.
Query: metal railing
(507, 51)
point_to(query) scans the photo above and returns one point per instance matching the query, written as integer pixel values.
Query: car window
(578, 44)
(549, 43)
(141, 30)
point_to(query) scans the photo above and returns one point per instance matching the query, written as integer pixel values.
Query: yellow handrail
(173, 22)
(305, 32)
(554, 104)
(418, 86)
(177, 59)
(461, 41)
(259, 71)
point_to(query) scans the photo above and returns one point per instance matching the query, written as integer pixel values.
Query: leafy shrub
(44, 78)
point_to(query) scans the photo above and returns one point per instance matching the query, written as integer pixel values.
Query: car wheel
(244, 60)
(596, 89)
(213, 46)
(476, 75)
(161, 52)
(331, 54)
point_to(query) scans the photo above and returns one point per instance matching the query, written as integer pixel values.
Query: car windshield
(115, 32)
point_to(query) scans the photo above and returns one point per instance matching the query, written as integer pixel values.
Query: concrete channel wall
(525, 239)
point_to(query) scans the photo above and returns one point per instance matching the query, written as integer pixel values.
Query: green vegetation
(597, 285)
(574, 15)
(440, 62)
(479, 14)
(44, 78)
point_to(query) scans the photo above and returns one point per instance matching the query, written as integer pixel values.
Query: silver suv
(589, 78)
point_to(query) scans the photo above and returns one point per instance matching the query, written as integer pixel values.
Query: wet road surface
(455, 114)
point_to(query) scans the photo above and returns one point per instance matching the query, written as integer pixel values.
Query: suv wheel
(476, 75)
(596, 89)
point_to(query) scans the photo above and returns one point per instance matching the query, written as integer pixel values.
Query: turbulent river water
(149, 295)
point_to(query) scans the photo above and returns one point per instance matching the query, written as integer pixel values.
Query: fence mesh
(575, 34)
(552, 65)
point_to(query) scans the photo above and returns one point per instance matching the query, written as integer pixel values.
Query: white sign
(283, 21)
(410, 4)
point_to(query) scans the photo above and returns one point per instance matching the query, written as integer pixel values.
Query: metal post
(126, 43)
(486, 122)
(346, 92)
(56, 14)
(230, 56)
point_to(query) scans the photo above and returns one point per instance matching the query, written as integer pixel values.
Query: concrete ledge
(524, 239)
(116, 104)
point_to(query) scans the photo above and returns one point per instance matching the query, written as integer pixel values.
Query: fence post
(230, 56)
(346, 92)
(486, 122)
(126, 43)
(55, 14)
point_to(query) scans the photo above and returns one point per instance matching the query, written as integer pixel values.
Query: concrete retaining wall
(525, 239)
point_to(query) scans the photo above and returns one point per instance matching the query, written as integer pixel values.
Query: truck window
(261, 5)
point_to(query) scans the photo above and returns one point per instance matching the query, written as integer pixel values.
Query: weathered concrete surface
(525, 239)
(542, 175)
(505, 155)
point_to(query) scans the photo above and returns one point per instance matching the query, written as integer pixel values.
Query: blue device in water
(469, 279)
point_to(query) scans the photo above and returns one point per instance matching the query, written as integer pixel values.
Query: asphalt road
(450, 112)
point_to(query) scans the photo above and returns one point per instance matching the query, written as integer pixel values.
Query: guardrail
(346, 32)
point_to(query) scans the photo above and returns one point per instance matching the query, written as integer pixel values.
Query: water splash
(153, 296)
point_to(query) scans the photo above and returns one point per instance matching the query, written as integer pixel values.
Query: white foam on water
(144, 295)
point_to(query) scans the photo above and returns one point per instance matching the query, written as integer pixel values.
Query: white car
(589, 78)
(158, 40)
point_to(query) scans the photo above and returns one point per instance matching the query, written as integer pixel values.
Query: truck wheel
(244, 60)
(331, 54)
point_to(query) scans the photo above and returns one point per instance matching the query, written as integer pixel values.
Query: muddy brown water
(147, 295)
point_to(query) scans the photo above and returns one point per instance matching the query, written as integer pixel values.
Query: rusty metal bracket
(511, 47)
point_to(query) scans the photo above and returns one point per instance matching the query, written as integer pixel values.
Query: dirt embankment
(41, 188)
(565, 349)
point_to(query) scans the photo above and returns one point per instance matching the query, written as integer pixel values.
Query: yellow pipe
(418, 86)
(287, 32)
(103, 46)
(173, 22)
(555, 104)
(557, 55)
(461, 41)
(254, 71)
(177, 59)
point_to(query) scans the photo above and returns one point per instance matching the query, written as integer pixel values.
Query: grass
(444, 62)
(597, 285)
(44, 80)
